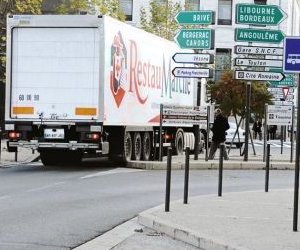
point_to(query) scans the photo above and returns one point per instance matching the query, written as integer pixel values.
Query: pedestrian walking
(257, 129)
(219, 133)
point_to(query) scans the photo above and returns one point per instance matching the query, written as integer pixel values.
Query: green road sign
(259, 14)
(195, 38)
(205, 17)
(288, 81)
(258, 35)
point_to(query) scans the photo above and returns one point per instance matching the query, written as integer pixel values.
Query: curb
(112, 237)
(183, 234)
(233, 165)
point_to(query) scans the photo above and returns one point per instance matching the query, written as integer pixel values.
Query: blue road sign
(291, 54)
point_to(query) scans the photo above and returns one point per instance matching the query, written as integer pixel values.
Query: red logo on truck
(118, 74)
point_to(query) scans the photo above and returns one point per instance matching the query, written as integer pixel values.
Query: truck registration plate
(54, 133)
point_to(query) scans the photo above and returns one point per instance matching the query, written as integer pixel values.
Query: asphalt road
(61, 208)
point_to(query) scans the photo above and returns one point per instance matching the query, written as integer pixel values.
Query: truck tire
(127, 146)
(147, 147)
(137, 146)
(49, 158)
(70, 158)
(179, 142)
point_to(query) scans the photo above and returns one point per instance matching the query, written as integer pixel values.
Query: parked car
(239, 139)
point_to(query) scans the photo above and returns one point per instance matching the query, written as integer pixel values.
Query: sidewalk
(25, 155)
(235, 221)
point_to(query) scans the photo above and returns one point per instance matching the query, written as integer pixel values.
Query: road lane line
(114, 171)
(4, 197)
(46, 187)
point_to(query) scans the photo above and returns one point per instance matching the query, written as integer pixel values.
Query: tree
(103, 7)
(160, 19)
(230, 94)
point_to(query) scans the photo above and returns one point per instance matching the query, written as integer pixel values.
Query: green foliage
(111, 8)
(28, 6)
(72, 7)
(230, 94)
(160, 19)
(103, 7)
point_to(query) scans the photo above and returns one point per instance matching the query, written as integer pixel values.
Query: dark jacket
(219, 128)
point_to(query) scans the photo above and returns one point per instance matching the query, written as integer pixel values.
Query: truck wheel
(70, 158)
(127, 146)
(147, 146)
(137, 146)
(179, 142)
(49, 158)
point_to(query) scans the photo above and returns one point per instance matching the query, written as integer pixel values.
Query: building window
(126, 7)
(222, 62)
(225, 12)
(263, 2)
(192, 4)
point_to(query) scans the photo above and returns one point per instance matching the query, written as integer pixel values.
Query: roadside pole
(292, 134)
(160, 134)
(265, 132)
(207, 133)
(248, 93)
(196, 127)
(281, 139)
(296, 186)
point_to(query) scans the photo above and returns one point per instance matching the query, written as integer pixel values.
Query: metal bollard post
(16, 155)
(267, 168)
(186, 175)
(168, 180)
(222, 148)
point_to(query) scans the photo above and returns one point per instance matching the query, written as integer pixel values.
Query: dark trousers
(213, 148)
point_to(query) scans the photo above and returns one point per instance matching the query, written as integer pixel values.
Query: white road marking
(114, 171)
(46, 187)
(4, 197)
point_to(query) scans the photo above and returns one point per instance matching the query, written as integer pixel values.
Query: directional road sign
(258, 62)
(291, 55)
(196, 38)
(184, 114)
(190, 72)
(205, 17)
(193, 58)
(258, 75)
(288, 81)
(279, 115)
(283, 103)
(258, 35)
(259, 14)
(255, 50)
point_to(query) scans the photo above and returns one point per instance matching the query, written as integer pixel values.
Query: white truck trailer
(90, 84)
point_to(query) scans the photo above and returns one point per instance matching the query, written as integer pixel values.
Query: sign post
(258, 35)
(195, 38)
(259, 14)
(291, 65)
(203, 17)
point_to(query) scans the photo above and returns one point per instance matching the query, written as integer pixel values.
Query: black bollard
(222, 148)
(186, 175)
(168, 180)
(16, 155)
(267, 168)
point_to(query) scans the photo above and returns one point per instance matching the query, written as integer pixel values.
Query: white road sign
(258, 75)
(184, 114)
(258, 62)
(283, 103)
(190, 72)
(193, 58)
(279, 115)
(254, 50)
